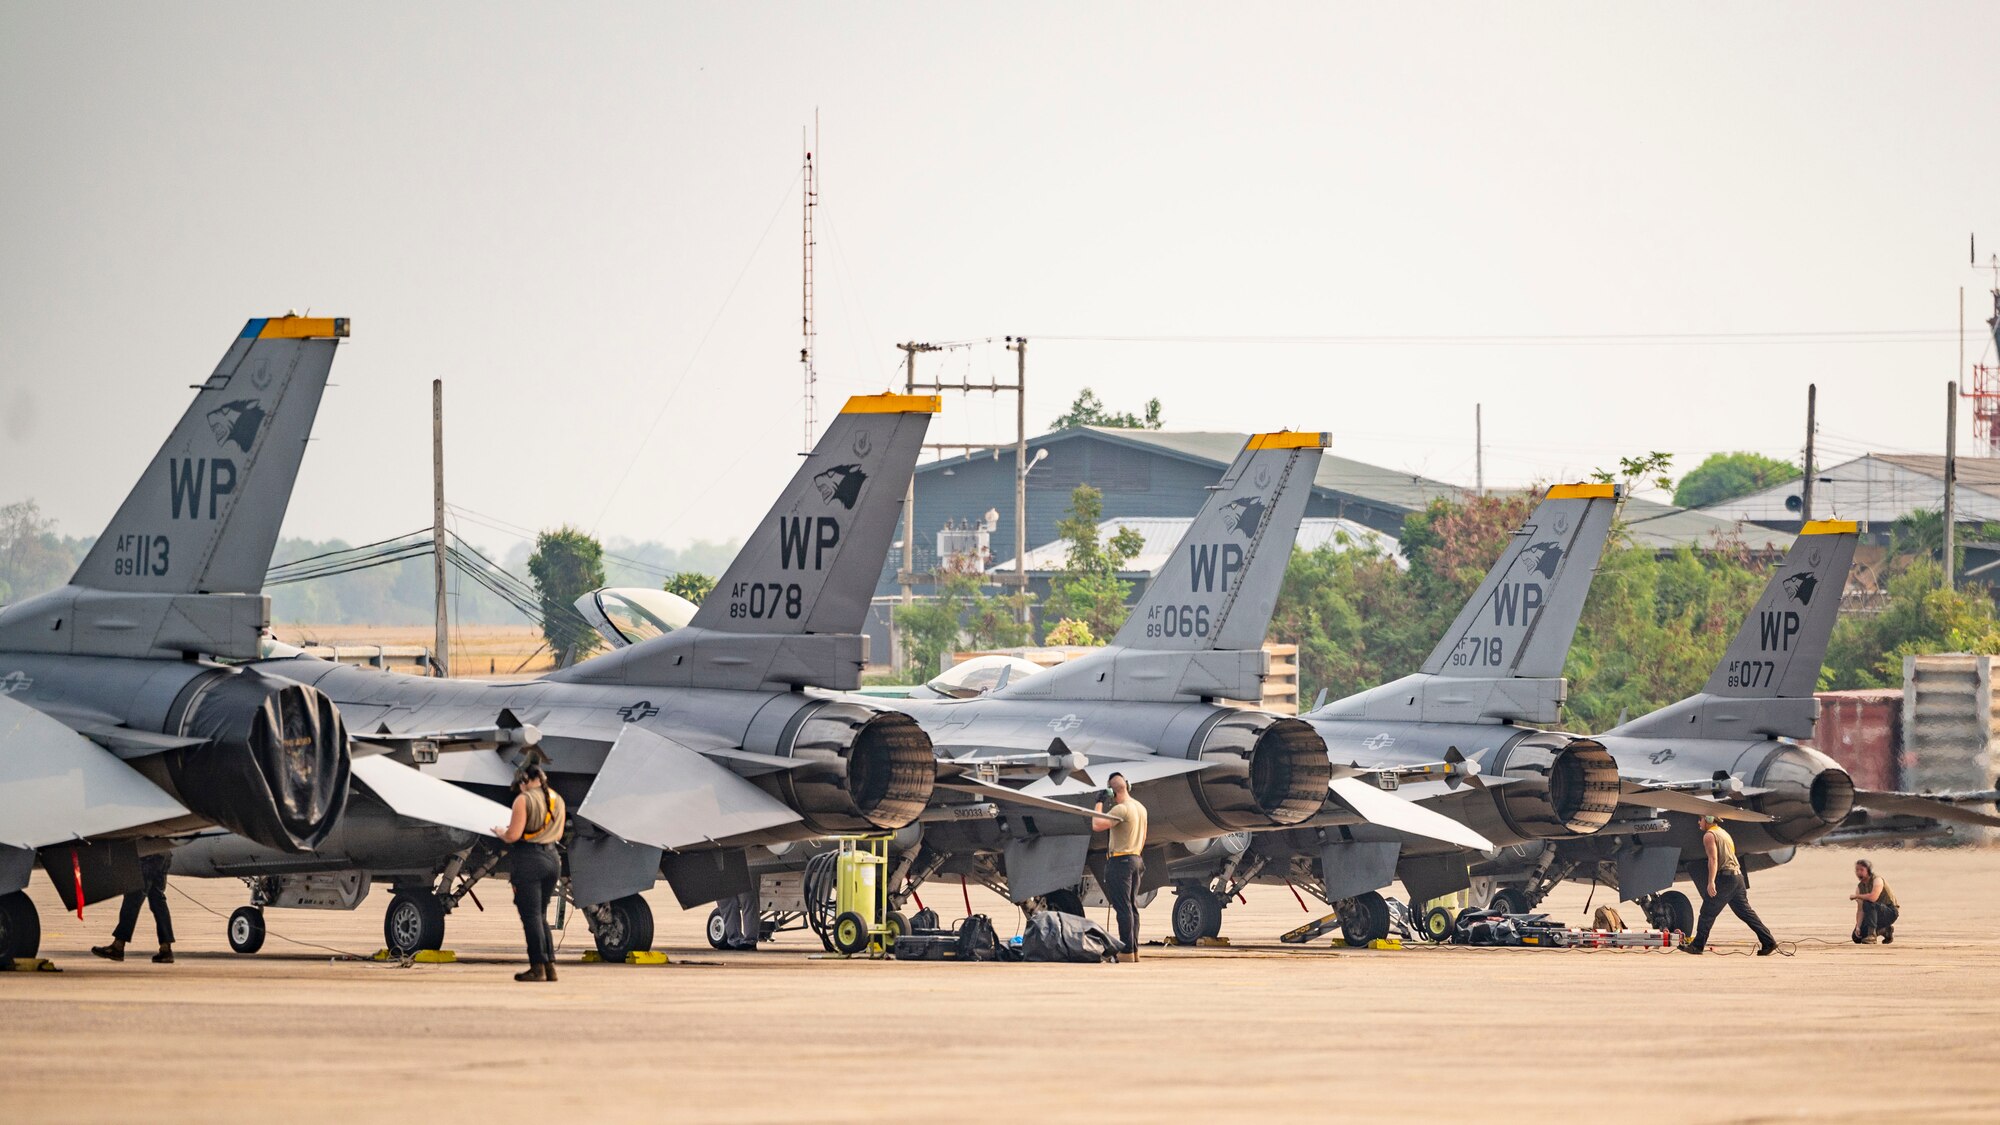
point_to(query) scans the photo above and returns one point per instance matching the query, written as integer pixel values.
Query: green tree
(33, 559)
(1071, 633)
(690, 584)
(1647, 471)
(962, 615)
(1725, 476)
(1355, 615)
(1088, 588)
(1088, 410)
(1922, 616)
(566, 565)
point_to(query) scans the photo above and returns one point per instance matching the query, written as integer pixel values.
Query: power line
(1875, 336)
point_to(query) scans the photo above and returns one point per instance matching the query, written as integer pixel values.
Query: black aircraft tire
(850, 933)
(1363, 918)
(1065, 901)
(1508, 900)
(1197, 914)
(630, 929)
(246, 930)
(413, 922)
(20, 926)
(1671, 910)
(716, 929)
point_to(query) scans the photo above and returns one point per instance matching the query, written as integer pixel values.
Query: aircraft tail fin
(790, 608)
(1219, 587)
(205, 515)
(1502, 658)
(1764, 685)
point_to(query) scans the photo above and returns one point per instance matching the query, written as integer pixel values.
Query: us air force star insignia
(643, 709)
(1065, 724)
(1379, 741)
(15, 681)
(863, 443)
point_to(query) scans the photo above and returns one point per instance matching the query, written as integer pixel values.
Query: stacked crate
(1948, 727)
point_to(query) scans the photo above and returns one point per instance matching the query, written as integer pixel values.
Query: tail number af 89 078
(761, 600)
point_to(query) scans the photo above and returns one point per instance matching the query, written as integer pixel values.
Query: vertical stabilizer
(1220, 586)
(205, 515)
(1522, 618)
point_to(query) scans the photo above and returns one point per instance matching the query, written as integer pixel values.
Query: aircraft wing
(655, 791)
(1641, 795)
(422, 797)
(57, 785)
(1391, 811)
(1937, 806)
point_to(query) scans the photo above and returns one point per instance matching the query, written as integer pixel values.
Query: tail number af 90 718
(1479, 652)
(761, 600)
(1179, 621)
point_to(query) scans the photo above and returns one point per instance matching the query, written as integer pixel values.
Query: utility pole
(906, 574)
(442, 653)
(1950, 480)
(1805, 495)
(1020, 348)
(806, 319)
(1479, 447)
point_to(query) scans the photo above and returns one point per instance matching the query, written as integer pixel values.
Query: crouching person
(1875, 909)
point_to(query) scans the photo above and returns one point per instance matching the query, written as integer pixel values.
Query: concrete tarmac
(1255, 1032)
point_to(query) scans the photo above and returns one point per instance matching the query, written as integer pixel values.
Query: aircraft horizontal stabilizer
(422, 797)
(1937, 806)
(653, 790)
(1391, 811)
(1640, 795)
(61, 786)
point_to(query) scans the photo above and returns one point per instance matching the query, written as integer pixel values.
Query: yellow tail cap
(1581, 491)
(1831, 527)
(893, 404)
(302, 327)
(1291, 439)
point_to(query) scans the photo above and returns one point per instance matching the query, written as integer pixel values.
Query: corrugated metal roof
(1877, 488)
(1663, 527)
(1162, 535)
(1391, 487)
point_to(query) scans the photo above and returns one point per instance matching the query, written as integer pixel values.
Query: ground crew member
(1725, 886)
(533, 865)
(1126, 821)
(153, 869)
(742, 920)
(1875, 909)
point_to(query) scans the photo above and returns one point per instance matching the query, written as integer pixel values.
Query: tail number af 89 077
(761, 600)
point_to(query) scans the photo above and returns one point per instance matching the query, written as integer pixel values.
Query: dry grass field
(477, 651)
(1255, 1032)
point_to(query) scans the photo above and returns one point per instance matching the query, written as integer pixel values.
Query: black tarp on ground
(1065, 937)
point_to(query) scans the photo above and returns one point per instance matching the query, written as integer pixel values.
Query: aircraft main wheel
(1671, 910)
(246, 929)
(1064, 901)
(415, 921)
(718, 930)
(1509, 900)
(1363, 918)
(1197, 914)
(20, 926)
(629, 929)
(1437, 924)
(850, 933)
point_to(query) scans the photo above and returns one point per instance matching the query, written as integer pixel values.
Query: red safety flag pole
(76, 868)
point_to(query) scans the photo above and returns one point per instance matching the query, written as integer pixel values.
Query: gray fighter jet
(1732, 750)
(1457, 736)
(121, 725)
(676, 751)
(1019, 766)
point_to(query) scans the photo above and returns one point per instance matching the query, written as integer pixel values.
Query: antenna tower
(1983, 388)
(806, 351)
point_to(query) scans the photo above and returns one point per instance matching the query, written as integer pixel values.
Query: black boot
(549, 971)
(534, 972)
(113, 952)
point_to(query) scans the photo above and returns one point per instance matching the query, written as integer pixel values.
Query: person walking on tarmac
(533, 865)
(1725, 886)
(1126, 821)
(1875, 909)
(153, 869)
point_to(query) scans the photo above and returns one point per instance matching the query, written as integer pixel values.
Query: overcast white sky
(552, 206)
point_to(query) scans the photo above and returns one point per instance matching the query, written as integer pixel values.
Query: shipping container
(1863, 731)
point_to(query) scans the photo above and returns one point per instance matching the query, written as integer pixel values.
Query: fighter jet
(676, 750)
(1455, 738)
(1732, 750)
(122, 726)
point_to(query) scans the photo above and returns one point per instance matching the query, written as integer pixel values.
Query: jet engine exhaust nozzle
(1577, 794)
(1267, 771)
(273, 763)
(876, 769)
(1809, 794)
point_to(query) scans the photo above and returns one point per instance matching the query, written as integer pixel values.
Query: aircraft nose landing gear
(414, 921)
(246, 929)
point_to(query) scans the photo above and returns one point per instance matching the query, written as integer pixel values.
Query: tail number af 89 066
(1179, 621)
(761, 600)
